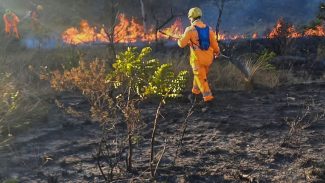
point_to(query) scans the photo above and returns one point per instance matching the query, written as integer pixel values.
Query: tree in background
(220, 5)
(111, 13)
(319, 19)
(144, 15)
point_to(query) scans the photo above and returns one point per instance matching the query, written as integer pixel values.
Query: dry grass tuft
(226, 76)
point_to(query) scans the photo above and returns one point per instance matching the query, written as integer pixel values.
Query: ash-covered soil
(244, 138)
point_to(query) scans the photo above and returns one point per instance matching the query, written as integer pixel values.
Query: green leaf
(146, 77)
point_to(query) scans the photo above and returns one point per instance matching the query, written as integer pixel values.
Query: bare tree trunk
(156, 30)
(144, 16)
(111, 32)
(221, 7)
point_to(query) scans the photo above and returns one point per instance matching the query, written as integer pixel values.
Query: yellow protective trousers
(200, 82)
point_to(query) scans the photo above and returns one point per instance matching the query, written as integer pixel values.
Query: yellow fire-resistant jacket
(191, 38)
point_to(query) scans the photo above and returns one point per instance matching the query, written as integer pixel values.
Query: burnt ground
(243, 138)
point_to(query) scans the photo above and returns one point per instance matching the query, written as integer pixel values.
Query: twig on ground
(184, 127)
(162, 154)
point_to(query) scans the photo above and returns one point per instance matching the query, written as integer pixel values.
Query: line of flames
(129, 31)
(289, 31)
(126, 31)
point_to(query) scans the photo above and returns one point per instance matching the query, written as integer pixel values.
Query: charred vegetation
(79, 102)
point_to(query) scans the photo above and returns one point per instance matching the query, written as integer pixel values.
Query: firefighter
(35, 16)
(204, 48)
(11, 21)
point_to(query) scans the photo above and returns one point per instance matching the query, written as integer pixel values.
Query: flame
(319, 31)
(277, 29)
(292, 32)
(282, 29)
(223, 36)
(128, 30)
(176, 29)
(85, 34)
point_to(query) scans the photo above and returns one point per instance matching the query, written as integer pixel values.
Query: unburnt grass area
(245, 137)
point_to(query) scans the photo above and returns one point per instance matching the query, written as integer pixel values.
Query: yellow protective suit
(11, 24)
(200, 60)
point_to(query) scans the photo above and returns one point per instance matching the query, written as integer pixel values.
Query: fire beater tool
(237, 63)
(169, 35)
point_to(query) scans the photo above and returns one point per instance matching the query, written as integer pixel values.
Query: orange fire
(221, 36)
(319, 31)
(282, 29)
(293, 33)
(126, 31)
(275, 32)
(130, 31)
(278, 29)
(175, 29)
(85, 34)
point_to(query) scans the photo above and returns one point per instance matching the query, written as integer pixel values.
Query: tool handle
(166, 34)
